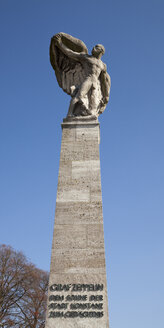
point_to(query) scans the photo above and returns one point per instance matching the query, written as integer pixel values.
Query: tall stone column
(77, 296)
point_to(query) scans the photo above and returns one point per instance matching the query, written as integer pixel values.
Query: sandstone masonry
(77, 287)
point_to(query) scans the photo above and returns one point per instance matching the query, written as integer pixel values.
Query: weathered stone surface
(78, 213)
(78, 256)
(78, 260)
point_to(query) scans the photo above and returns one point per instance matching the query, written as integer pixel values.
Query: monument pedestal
(77, 295)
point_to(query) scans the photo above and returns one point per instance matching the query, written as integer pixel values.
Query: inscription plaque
(73, 306)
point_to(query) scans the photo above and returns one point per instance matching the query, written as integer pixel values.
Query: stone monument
(77, 296)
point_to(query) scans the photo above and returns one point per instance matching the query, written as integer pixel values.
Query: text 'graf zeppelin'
(70, 305)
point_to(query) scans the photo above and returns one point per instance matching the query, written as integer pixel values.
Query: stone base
(89, 118)
(77, 295)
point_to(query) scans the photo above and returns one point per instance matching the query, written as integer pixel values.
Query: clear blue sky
(32, 107)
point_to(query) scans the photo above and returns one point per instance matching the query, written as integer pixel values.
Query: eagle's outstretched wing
(70, 73)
